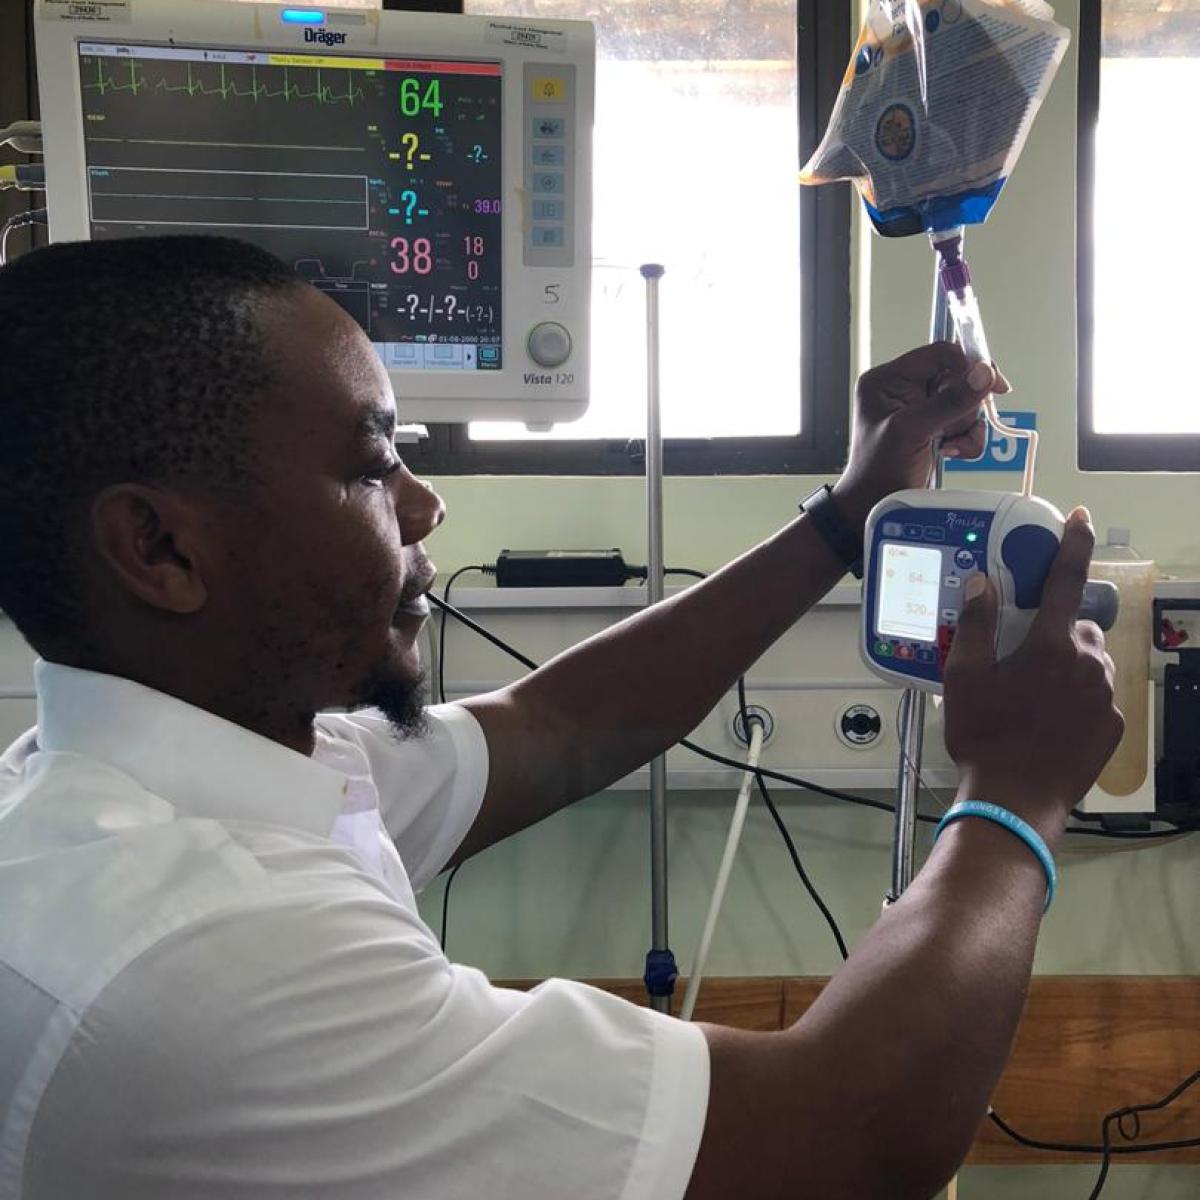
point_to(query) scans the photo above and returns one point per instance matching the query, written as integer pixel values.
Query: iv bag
(935, 107)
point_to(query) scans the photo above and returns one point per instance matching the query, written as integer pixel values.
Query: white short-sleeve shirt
(214, 981)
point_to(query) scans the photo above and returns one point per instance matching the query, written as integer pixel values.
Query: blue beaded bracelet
(1014, 825)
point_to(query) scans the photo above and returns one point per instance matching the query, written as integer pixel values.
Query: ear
(150, 538)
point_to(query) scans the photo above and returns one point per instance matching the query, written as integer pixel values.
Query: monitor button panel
(550, 164)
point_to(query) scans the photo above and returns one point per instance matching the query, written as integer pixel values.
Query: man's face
(325, 570)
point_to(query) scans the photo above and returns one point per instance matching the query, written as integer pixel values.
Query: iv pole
(661, 971)
(913, 702)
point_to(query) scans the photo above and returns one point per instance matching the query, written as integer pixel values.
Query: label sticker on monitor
(87, 10)
(527, 35)
(908, 592)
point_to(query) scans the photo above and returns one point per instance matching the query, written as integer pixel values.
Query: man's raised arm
(877, 1091)
(605, 707)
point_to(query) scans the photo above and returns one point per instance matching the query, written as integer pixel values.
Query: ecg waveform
(239, 83)
(249, 199)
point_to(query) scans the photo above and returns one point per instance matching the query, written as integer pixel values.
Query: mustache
(419, 580)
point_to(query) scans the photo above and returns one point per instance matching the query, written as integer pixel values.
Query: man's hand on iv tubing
(1033, 732)
(927, 398)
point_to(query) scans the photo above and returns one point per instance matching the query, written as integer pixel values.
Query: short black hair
(128, 360)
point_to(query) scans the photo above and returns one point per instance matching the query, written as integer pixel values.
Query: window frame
(1126, 452)
(823, 41)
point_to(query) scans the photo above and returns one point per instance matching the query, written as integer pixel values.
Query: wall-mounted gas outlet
(860, 726)
(754, 710)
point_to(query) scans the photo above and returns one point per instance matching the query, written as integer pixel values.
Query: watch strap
(846, 543)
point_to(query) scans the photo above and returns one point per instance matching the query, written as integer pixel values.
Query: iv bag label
(1002, 453)
(87, 10)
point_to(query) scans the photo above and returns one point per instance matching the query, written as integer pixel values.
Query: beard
(401, 699)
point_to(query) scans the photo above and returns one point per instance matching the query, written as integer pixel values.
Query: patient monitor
(431, 173)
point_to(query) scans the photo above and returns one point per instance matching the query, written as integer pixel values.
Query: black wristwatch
(846, 543)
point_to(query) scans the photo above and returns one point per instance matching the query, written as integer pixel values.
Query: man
(213, 976)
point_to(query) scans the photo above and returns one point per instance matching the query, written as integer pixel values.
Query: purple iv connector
(952, 269)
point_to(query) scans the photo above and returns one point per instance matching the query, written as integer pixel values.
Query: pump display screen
(909, 584)
(378, 179)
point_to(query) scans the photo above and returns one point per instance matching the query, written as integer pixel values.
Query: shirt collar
(202, 764)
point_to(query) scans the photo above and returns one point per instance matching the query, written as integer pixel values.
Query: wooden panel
(1086, 1045)
(798, 994)
(754, 1003)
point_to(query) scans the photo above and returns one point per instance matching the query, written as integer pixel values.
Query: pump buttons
(549, 344)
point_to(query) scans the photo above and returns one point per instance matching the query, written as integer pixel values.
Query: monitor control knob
(549, 344)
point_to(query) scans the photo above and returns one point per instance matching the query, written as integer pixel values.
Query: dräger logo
(325, 37)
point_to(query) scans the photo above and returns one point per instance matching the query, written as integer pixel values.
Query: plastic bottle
(1129, 644)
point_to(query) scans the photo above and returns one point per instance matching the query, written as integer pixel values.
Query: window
(704, 111)
(1139, 405)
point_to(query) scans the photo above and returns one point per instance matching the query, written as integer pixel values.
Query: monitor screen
(378, 179)
(908, 592)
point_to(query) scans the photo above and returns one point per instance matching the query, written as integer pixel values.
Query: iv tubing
(1011, 431)
(955, 278)
(731, 849)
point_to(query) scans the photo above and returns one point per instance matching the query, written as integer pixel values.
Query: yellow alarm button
(550, 89)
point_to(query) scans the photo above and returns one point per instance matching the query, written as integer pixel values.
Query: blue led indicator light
(972, 537)
(302, 16)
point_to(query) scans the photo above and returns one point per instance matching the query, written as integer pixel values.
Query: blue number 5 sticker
(1002, 453)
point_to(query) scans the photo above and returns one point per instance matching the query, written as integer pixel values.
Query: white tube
(968, 325)
(731, 849)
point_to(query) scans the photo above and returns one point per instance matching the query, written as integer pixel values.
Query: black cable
(441, 670)
(486, 634)
(1034, 1144)
(1087, 1148)
(712, 755)
(1131, 835)
(1128, 834)
(1106, 1149)
(446, 903)
(20, 220)
(447, 608)
(764, 772)
(787, 837)
(1119, 1115)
